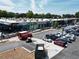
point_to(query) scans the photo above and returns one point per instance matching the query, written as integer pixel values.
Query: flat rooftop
(18, 53)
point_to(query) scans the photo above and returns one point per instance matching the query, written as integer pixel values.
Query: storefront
(30, 26)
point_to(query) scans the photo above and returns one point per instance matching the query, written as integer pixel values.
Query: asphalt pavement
(12, 45)
(41, 35)
(71, 52)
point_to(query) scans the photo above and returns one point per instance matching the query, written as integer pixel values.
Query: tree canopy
(30, 14)
(68, 16)
(77, 14)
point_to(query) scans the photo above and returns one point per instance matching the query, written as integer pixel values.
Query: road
(12, 45)
(42, 34)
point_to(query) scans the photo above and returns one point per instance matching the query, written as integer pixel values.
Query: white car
(47, 40)
(71, 36)
(59, 34)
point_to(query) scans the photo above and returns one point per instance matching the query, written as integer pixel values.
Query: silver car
(71, 36)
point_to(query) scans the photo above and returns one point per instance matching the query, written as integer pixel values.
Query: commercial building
(14, 25)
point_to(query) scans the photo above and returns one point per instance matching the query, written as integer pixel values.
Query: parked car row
(61, 39)
(50, 37)
(6, 36)
(73, 30)
(70, 36)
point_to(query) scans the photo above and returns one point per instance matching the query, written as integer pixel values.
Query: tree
(77, 14)
(42, 16)
(29, 14)
(48, 15)
(55, 24)
(10, 14)
(20, 15)
(36, 15)
(3, 13)
(0, 13)
(68, 16)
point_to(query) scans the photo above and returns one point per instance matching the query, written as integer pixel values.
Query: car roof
(23, 32)
(40, 48)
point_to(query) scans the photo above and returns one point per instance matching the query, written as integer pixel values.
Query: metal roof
(9, 21)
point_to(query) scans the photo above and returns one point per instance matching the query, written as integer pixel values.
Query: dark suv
(40, 52)
(51, 36)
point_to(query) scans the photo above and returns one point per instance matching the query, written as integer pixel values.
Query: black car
(51, 36)
(69, 30)
(68, 39)
(72, 31)
(75, 32)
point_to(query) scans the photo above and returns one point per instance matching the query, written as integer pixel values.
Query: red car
(60, 43)
(24, 35)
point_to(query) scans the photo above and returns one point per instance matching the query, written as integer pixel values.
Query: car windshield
(48, 37)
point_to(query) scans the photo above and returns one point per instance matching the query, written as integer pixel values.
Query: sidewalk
(2, 41)
(10, 39)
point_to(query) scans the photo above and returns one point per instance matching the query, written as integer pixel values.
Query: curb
(42, 31)
(2, 41)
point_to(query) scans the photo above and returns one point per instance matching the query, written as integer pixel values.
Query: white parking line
(26, 49)
(10, 39)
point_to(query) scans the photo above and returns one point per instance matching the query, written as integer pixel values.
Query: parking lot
(42, 34)
(71, 52)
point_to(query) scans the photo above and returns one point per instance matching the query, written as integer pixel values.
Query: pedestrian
(14, 49)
